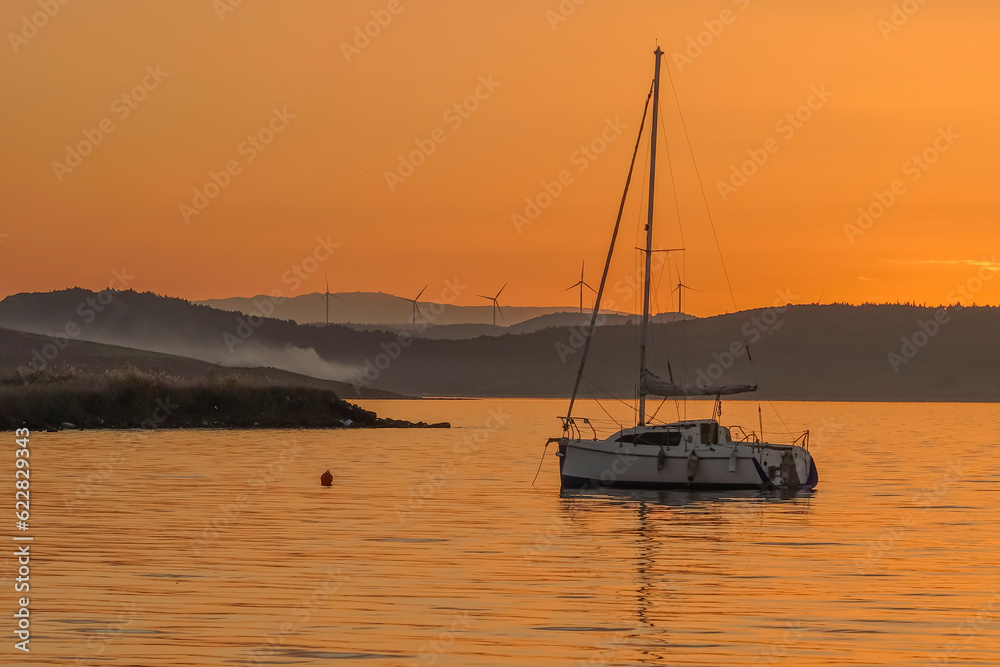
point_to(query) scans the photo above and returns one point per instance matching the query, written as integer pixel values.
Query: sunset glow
(847, 151)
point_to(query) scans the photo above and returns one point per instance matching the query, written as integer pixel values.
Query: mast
(644, 332)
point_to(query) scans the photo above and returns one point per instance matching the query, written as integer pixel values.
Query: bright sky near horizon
(847, 150)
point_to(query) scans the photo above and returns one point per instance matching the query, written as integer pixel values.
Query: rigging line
(637, 256)
(682, 272)
(677, 211)
(607, 264)
(673, 188)
(657, 410)
(770, 404)
(776, 414)
(642, 194)
(673, 182)
(591, 383)
(711, 220)
(655, 303)
(601, 406)
(540, 462)
(701, 185)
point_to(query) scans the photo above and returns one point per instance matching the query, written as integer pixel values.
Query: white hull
(610, 463)
(689, 454)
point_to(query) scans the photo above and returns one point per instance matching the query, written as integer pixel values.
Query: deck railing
(572, 429)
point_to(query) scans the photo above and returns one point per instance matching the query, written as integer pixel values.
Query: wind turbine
(581, 285)
(416, 309)
(326, 295)
(680, 293)
(496, 304)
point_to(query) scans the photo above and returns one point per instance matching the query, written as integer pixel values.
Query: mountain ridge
(798, 352)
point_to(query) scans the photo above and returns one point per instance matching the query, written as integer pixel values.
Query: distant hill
(18, 355)
(461, 331)
(807, 352)
(376, 308)
(146, 321)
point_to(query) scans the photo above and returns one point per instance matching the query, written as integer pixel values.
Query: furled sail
(652, 385)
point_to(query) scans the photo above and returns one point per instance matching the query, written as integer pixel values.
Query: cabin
(698, 431)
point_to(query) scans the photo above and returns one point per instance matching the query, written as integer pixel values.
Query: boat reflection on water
(683, 498)
(677, 539)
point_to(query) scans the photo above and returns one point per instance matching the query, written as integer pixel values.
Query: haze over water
(433, 547)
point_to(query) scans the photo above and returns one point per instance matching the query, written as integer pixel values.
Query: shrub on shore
(130, 398)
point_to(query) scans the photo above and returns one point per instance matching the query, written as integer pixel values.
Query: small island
(63, 397)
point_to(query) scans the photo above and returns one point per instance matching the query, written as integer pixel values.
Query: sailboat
(686, 454)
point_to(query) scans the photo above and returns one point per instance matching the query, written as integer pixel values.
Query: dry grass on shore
(130, 398)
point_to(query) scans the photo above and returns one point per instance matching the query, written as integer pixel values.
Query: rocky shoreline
(130, 399)
(380, 422)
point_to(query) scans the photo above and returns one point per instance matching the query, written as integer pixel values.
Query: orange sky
(556, 84)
